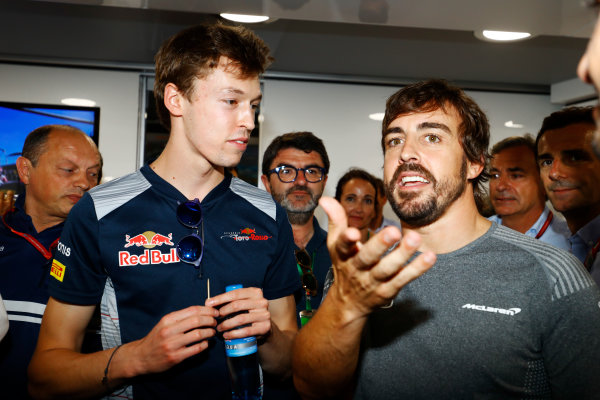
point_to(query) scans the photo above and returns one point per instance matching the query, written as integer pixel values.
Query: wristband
(105, 377)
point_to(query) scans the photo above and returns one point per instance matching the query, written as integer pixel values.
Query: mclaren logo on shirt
(510, 311)
(148, 240)
(245, 235)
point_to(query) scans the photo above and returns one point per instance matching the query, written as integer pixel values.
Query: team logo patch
(245, 234)
(148, 240)
(510, 311)
(58, 270)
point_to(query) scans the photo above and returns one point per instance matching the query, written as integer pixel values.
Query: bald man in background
(59, 163)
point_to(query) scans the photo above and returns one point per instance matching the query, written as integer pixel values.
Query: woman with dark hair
(357, 193)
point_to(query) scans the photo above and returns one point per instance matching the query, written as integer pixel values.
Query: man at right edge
(499, 315)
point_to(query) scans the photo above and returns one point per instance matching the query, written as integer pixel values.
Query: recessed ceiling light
(78, 102)
(502, 36)
(376, 116)
(510, 124)
(245, 18)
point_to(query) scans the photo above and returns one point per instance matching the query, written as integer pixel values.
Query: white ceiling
(540, 17)
(354, 40)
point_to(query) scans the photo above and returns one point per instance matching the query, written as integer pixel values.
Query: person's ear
(24, 168)
(173, 100)
(474, 168)
(266, 183)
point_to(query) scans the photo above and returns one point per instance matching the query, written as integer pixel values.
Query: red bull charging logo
(149, 240)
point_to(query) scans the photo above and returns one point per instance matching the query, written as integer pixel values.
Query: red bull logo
(148, 257)
(148, 239)
(248, 231)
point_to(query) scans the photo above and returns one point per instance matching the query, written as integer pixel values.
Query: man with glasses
(295, 167)
(500, 314)
(158, 247)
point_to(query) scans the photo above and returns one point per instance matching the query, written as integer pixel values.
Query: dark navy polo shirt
(119, 244)
(24, 289)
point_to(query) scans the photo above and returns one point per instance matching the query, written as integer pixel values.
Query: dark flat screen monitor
(17, 120)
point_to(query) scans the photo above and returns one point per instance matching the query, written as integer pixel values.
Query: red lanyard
(545, 226)
(591, 256)
(47, 253)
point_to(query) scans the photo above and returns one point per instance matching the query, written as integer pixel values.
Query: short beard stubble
(298, 215)
(433, 206)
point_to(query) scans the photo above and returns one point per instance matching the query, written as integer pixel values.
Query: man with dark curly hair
(499, 314)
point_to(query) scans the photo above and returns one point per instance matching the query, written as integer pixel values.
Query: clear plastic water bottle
(244, 369)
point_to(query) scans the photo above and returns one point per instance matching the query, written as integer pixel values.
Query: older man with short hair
(59, 163)
(517, 193)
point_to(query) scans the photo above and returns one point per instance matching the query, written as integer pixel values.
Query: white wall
(115, 92)
(338, 114)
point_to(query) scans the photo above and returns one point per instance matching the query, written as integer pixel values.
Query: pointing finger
(341, 240)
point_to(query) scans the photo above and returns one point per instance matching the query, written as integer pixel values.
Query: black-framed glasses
(309, 280)
(191, 247)
(288, 174)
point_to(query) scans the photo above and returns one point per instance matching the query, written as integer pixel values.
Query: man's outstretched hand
(366, 277)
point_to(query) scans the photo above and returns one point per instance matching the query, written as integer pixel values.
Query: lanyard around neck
(546, 225)
(47, 253)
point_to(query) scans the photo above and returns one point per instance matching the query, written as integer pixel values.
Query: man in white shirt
(570, 172)
(518, 196)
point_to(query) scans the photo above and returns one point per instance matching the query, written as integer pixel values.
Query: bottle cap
(233, 287)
